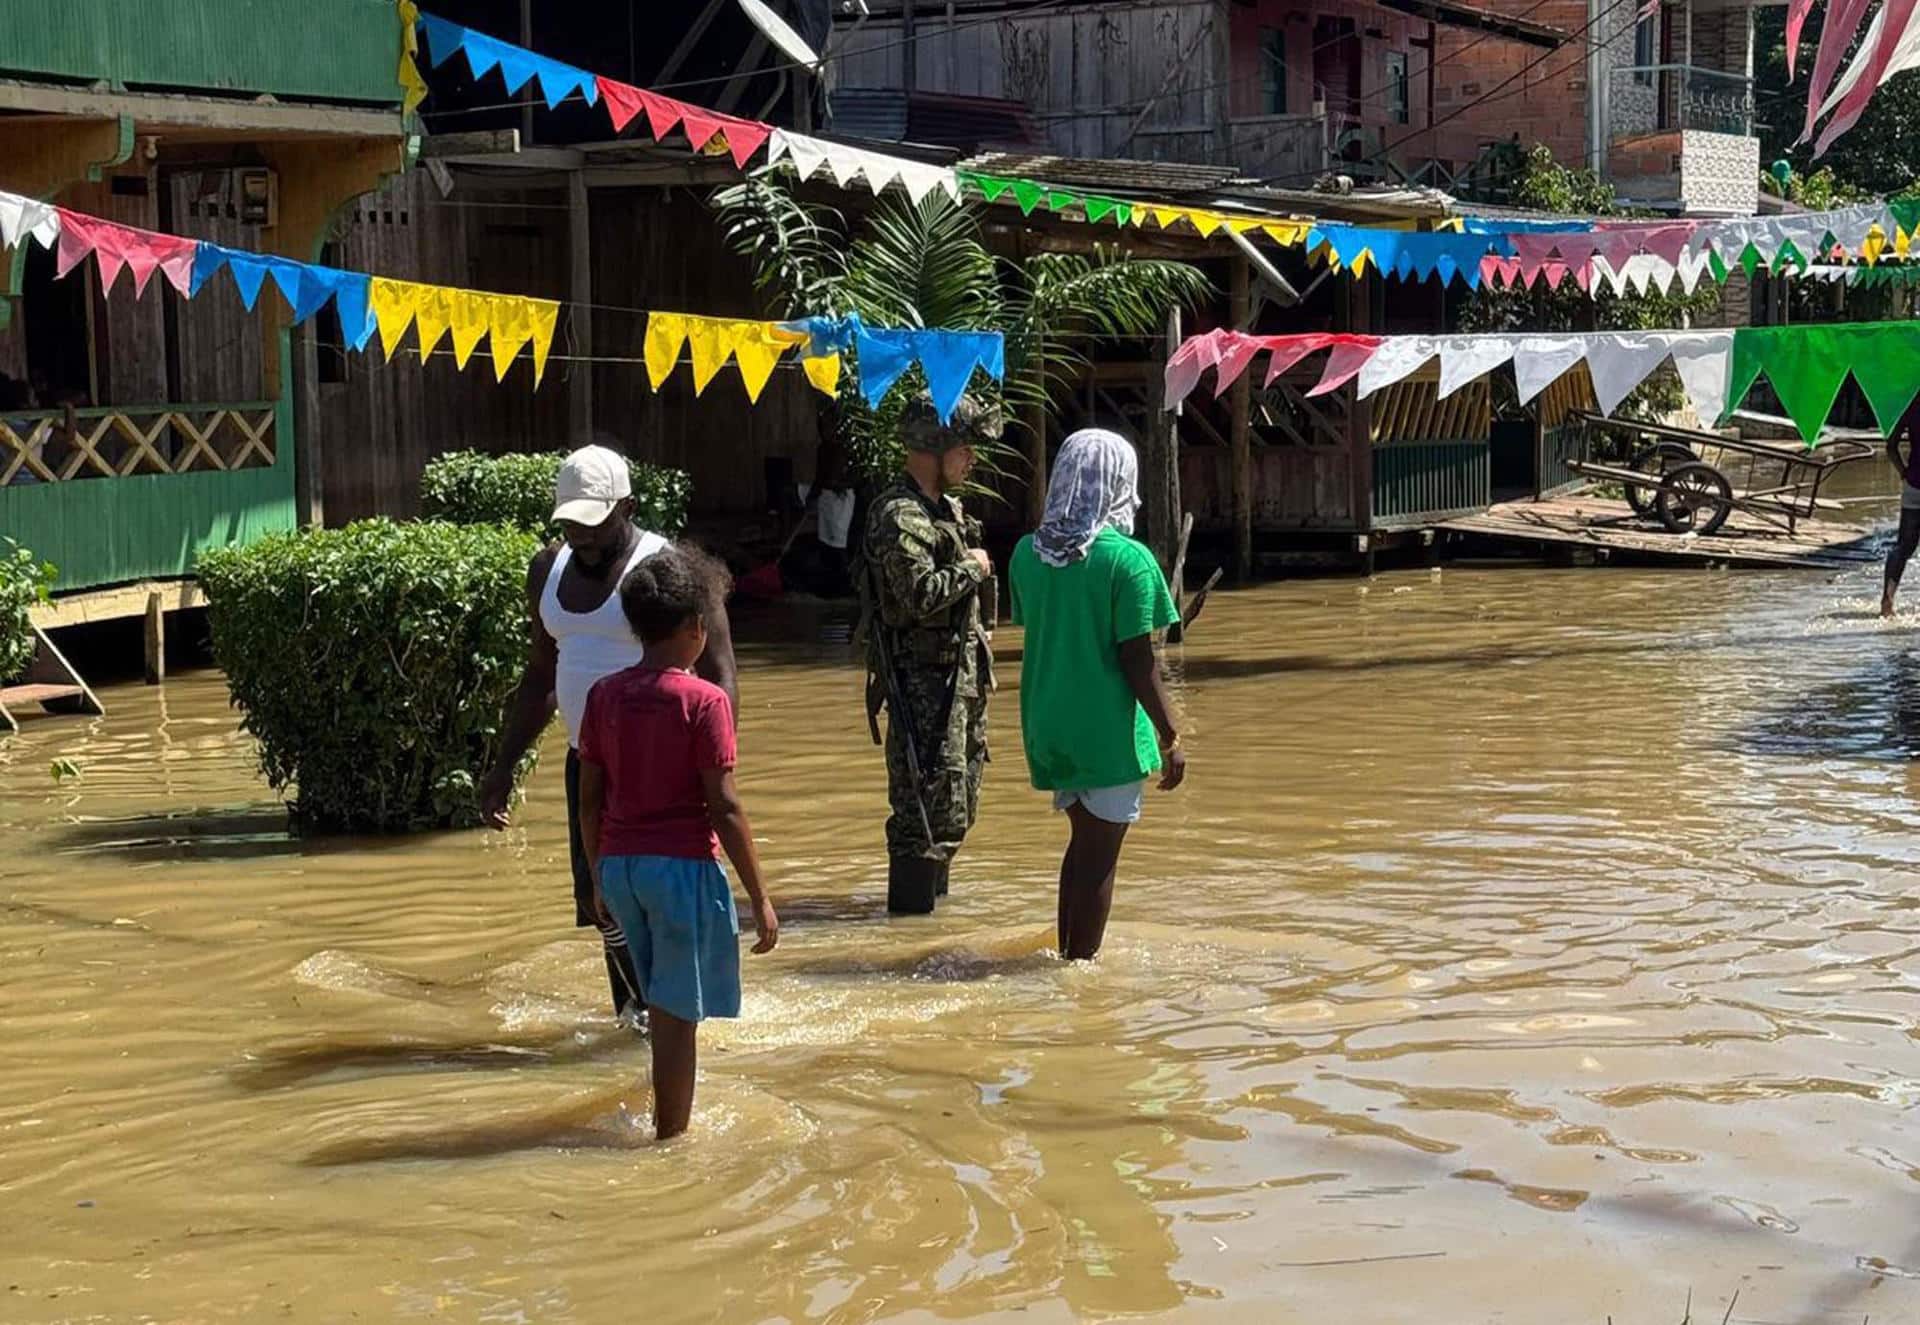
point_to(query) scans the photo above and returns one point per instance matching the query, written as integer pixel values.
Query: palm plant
(924, 265)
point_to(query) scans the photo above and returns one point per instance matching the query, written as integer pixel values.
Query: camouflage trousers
(952, 757)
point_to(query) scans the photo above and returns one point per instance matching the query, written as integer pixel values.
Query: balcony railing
(1667, 98)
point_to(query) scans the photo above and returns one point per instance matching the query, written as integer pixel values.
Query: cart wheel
(1657, 460)
(1694, 499)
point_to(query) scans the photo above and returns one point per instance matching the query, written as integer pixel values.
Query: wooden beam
(49, 157)
(1160, 455)
(483, 145)
(695, 32)
(1239, 409)
(157, 113)
(579, 309)
(117, 604)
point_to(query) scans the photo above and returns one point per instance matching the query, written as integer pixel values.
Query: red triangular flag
(623, 101)
(662, 113)
(744, 138)
(699, 126)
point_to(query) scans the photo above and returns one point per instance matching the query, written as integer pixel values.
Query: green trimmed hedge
(23, 583)
(372, 663)
(467, 487)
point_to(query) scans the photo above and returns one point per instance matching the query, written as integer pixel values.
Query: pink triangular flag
(1184, 365)
(1236, 352)
(1667, 242)
(77, 239)
(1555, 272)
(1349, 356)
(177, 266)
(1286, 351)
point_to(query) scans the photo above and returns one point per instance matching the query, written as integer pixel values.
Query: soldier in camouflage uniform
(928, 587)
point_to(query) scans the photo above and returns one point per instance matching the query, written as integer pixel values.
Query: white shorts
(1116, 805)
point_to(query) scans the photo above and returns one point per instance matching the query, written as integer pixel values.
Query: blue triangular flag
(884, 357)
(443, 38)
(208, 259)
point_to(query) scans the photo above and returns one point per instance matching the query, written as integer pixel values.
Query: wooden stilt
(1239, 408)
(156, 640)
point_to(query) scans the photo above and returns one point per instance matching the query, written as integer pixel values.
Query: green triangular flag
(1906, 213)
(1805, 364)
(992, 187)
(1123, 213)
(1750, 260)
(1717, 265)
(1787, 255)
(1885, 358)
(1099, 209)
(1060, 200)
(1028, 195)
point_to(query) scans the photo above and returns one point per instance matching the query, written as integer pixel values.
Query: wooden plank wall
(383, 420)
(1084, 72)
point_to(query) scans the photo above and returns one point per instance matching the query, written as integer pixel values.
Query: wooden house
(136, 433)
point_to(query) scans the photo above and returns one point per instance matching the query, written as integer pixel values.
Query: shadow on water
(954, 961)
(602, 1121)
(292, 1065)
(212, 835)
(1872, 714)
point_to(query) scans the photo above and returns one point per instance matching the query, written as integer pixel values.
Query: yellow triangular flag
(707, 339)
(546, 316)
(415, 86)
(824, 373)
(509, 328)
(1166, 216)
(1205, 222)
(1285, 233)
(467, 314)
(394, 304)
(756, 348)
(666, 333)
(431, 317)
(1241, 227)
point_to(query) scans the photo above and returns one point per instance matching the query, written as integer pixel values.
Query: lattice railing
(60, 446)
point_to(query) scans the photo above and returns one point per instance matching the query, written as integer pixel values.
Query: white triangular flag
(1465, 359)
(1538, 361)
(1619, 361)
(1396, 358)
(1702, 358)
(26, 216)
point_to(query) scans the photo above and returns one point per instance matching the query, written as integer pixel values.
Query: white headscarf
(1096, 485)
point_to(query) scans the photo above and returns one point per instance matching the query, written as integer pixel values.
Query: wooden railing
(59, 446)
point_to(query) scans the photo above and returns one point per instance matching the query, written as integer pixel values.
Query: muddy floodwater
(1530, 945)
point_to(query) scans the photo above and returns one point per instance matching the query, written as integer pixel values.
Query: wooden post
(1160, 459)
(1360, 318)
(1239, 408)
(156, 668)
(309, 485)
(579, 314)
(1036, 424)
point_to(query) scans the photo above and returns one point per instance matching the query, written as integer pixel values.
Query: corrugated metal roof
(939, 119)
(1127, 178)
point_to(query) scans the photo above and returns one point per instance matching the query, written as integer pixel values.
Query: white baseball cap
(592, 481)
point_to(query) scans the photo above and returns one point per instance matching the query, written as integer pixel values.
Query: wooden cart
(1685, 479)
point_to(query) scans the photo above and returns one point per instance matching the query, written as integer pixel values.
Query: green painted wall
(111, 530)
(336, 50)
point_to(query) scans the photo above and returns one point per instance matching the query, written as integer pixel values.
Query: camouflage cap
(974, 421)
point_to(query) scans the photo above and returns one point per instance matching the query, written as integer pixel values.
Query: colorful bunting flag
(754, 347)
(509, 323)
(517, 65)
(1806, 364)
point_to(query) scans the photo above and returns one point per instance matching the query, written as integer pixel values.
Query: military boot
(913, 884)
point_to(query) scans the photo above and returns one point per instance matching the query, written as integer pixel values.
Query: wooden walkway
(1610, 531)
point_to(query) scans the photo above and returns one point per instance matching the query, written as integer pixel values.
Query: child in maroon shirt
(657, 803)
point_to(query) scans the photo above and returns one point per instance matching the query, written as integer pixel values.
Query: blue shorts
(682, 930)
(1115, 805)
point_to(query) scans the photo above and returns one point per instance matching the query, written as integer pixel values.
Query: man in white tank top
(578, 636)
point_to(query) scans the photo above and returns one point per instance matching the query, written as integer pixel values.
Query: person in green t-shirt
(1094, 712)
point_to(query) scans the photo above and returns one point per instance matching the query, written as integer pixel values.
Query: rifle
(896, 700)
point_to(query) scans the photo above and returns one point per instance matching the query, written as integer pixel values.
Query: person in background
(1909, 536)
(1095, 717)
(922, 579)
(657, 803)
(579, 635)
